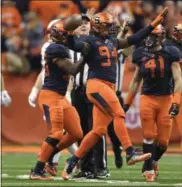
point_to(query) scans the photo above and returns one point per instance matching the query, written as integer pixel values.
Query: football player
(59, 113)
(51, 166)
(157, 66)
(101, 59)
(176, 41)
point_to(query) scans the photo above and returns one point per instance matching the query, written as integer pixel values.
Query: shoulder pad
(174, 53)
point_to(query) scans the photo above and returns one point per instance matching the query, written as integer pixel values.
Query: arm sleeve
(78, 45)
(74, 44)
(136, 38)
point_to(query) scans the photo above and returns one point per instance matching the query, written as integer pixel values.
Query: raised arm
(140, 35)
(133, 88)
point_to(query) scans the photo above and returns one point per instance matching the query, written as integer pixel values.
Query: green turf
(14, 165)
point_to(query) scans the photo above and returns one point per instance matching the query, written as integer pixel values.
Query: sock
(56, 158)
(148, 148)
(129, 150)
(39, 167)
(73, 148)
(55, 151)
(159, 151)
(87, 143)
(121, 132)
(45, 152)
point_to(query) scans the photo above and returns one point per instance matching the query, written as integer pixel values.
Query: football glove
(33, 96)
(5, 98)
(174, 110)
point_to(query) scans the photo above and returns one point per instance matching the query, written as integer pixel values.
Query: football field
(16, 167)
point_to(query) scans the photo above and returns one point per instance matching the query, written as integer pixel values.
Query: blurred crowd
(24, 23)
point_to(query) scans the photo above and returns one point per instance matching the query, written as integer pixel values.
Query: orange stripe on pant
(155, 119)
(106, 107)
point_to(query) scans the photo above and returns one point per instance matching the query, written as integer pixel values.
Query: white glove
(68, 96)
(33, 96)
(5, 98)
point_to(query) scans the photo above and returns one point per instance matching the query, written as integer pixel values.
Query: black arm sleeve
(74, 44)
(136, 38)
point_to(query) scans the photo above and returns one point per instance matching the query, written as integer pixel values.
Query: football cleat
(51, 169)
(102, 173)
(149, 176)
(39, 176)
(137, 156)
(156, 168)
(68, 169)
(85, 174)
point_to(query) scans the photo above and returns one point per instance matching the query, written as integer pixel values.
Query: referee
(94, 163)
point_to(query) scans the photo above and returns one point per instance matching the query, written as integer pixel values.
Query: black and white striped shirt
(120, 71)
(81, 78)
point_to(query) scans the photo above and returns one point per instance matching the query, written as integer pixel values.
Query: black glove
(174, 110)
(126, 107)
(120, 98)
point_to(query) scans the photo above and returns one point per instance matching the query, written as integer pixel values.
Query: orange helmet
(177, 32)
(57, 32)
(50, 25)
(156, 37)
(102, 23)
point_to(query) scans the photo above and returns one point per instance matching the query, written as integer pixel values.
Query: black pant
(96, 157)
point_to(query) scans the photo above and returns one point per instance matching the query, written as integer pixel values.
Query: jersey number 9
(104, 51)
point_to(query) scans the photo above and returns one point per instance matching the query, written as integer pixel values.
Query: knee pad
(52, 141)
(100, 131)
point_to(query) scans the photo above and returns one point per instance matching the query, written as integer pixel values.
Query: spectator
(49, 10)
(34, 34)
(14, 58)
(11, 19)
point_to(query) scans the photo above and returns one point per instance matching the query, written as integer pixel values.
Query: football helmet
(156, 37)
(102, 24)
(177, 32)
(56, 31)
